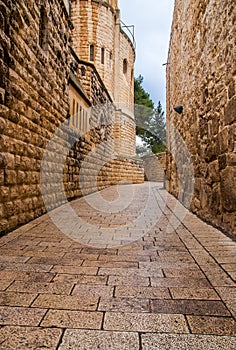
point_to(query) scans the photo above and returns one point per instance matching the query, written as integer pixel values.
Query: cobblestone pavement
(143, 280)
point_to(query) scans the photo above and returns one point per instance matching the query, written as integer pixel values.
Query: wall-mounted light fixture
(179, 109)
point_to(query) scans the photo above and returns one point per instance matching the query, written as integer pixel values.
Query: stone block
(212, 325)
(16, 299)
(228, 188)
(135, 322)
(213, 171)
(222, 161)
(190, 307)
(205, 196)
(15, 337)
(73, 319)
(230, 111)
(20, 316)
(222, 141)
(231, 89)
(231, 159)
(186, 342)
(66, 302)
(90, 339)
(3, 160)
(124, 305)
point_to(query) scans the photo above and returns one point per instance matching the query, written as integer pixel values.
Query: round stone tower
(98, 37)
(101, 38)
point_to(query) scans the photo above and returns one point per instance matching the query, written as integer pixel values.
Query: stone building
(98, 38)
(66, 123)
(201, 164)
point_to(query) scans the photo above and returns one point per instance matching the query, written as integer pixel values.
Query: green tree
(144, 106)
(141, 97)
(155, 136)
(150, 122)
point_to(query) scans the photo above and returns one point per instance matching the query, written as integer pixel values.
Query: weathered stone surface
(206, 90)
(29, 338)
(36, 66)
(186, 342)
(228, 188)
(107, 309)
(90, 340)
(230, 111)
(153, 167)
(135, 322)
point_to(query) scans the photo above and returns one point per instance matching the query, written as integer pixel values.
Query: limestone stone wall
(201, 78)
(95, 24)
(98, 23)
(34, 100)
(42, 161)
(124, 133)
(126, 79)
(153, 168)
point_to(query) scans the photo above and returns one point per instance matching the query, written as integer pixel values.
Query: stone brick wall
(126, 80)
(36, 66)
(98, 23)
(34, 101)
(95, 24)
(201, 77)
(124, 133)
(153, 168)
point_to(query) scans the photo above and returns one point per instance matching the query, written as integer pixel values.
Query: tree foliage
(141, 97)
(150, 122)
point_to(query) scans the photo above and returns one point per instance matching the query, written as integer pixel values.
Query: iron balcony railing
(129, 31)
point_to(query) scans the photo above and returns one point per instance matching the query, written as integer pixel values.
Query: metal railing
(129, 31)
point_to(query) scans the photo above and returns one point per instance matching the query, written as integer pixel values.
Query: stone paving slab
(212, 325)
(29, 338)
(16, 299)
(91, 340)
(186, 342)
(65, 302)
(21, 316)
(73, 319)
(147, 322)
(141, 292)
(59, 293)
(190, 307)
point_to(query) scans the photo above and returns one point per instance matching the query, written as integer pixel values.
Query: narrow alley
(141, 273)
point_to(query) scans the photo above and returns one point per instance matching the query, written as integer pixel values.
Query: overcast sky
(152, 20)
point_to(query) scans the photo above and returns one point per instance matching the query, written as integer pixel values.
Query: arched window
(43, 29)
(91, 53)
(125, 66)
(102, 55)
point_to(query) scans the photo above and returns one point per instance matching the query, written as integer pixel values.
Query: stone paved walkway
(133, 277)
